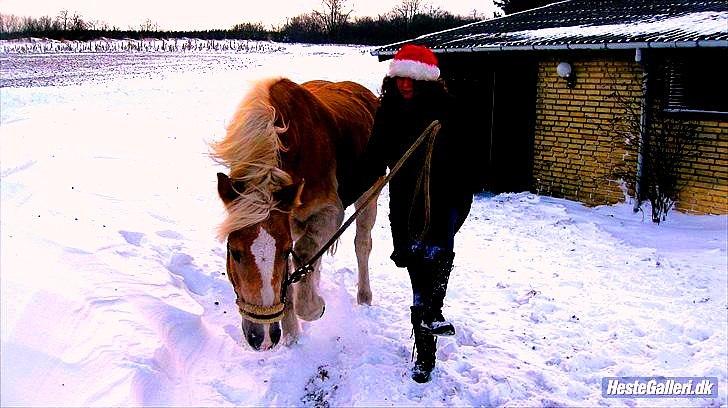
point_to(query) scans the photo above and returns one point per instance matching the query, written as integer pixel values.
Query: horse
(290, 150)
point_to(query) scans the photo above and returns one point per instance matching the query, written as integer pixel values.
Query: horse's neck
(310, 153)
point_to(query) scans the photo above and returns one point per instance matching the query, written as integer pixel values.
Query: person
(412, 97)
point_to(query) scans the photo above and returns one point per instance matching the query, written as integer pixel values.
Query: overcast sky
(172, 14)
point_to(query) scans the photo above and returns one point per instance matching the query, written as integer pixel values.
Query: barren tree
(77, 23)
(46, 23)
(407, 10)
(333, 17)
(62, 19)
(666, 144)
(10, 23)
(436, 12)
(149, 25)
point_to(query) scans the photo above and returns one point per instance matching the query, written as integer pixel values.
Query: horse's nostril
(275, 333)
(255, 337)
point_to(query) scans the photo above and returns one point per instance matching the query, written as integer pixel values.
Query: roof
(589, 24)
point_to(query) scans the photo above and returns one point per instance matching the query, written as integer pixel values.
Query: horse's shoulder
(285, 91)
(315, 85)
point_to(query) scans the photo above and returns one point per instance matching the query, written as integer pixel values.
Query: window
(697, 85)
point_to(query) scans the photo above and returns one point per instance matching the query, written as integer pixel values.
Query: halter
(274, 313)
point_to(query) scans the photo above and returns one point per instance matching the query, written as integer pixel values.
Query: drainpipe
(492, 119)
(639, 57)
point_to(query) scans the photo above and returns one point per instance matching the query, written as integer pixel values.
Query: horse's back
(353, 107)
(343, 96)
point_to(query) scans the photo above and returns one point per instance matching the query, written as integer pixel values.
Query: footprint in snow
(169, 234)
(18, 168)
(447, 350)
(698, 333)
(196, 281)
(464, 337)
(235, 333)
(134, 238)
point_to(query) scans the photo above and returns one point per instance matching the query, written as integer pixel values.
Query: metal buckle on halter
(300, 272)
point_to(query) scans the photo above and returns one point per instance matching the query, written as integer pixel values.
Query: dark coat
(398, 123)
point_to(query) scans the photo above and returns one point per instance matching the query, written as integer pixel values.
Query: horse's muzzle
(262, 337)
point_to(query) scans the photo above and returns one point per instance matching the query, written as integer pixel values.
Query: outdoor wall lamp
(564, 70)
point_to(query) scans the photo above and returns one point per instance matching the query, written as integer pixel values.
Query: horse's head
(258, 261)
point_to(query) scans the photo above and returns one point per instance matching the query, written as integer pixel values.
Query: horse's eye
(235, 254)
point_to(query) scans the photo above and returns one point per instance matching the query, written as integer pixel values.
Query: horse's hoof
(312, 314)
(311, 310)
(364, 298)
(289, 340)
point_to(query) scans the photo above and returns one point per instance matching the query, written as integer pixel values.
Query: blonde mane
(251, 150)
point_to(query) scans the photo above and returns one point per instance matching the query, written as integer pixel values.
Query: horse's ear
(225, 188)
(289, 197)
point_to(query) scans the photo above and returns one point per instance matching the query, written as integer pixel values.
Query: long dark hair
(423, 90)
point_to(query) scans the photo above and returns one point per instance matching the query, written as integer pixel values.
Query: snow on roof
(591, 24)
(695, 24)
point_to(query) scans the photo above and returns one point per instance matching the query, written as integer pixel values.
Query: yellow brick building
(634, 65)
(575, 153)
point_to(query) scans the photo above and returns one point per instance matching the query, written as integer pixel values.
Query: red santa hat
(415, 61)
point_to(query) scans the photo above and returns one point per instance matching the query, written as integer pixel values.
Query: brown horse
(290, 149)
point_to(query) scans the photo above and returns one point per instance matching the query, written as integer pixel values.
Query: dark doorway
(498, 95)
(513, 124)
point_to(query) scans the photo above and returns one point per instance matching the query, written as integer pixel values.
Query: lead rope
(423, 185)
(430, 132)
(414, 345)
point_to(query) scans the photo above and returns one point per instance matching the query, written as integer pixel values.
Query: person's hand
(400, 258)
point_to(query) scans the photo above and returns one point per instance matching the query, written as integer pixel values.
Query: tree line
(330, 24)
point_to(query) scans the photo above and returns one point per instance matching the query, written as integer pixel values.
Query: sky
(170, 14)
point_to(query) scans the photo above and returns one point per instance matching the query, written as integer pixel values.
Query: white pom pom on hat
(416, 62)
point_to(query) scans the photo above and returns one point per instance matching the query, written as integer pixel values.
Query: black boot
(439, 264)
(425, 344)
(420, 278)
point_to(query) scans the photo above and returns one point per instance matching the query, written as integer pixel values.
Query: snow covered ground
(112, 292)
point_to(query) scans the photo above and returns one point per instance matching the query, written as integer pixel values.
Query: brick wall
(574, 152)
(705, 177)
(577, 151)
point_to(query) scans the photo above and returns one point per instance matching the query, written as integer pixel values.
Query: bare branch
(62, 19)
(333, 16)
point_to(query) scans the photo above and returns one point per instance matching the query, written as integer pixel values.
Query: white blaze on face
(264, 251)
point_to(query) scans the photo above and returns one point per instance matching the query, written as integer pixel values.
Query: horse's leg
(363, 247)
(290, 327)
(309, 304)
(318, 228)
